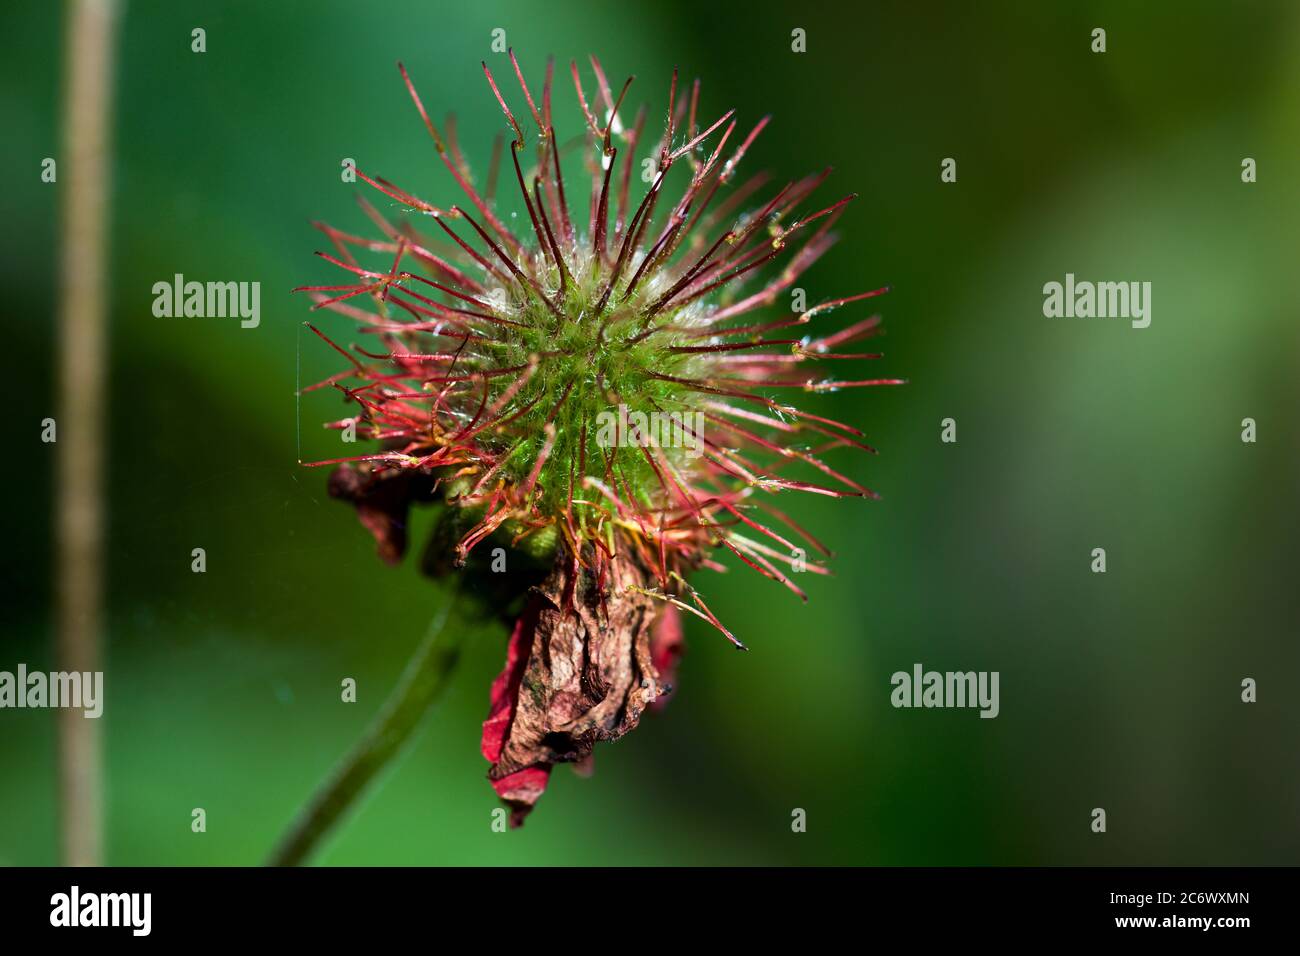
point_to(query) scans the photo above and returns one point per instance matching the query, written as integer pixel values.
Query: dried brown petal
(383, 502)
(579, 670)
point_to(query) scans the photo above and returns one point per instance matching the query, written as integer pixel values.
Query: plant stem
(79, 518)
(421, 684)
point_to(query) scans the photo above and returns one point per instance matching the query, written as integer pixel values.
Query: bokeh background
(1119, 690)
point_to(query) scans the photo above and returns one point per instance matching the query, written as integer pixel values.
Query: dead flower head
(599, 393)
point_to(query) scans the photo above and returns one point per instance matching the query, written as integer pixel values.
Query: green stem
(423, 681)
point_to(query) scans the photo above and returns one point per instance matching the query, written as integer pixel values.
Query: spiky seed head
(606, 387)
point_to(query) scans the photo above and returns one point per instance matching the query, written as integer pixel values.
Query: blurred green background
(1119, 690)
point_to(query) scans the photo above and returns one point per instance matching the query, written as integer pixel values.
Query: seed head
(598, 390)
